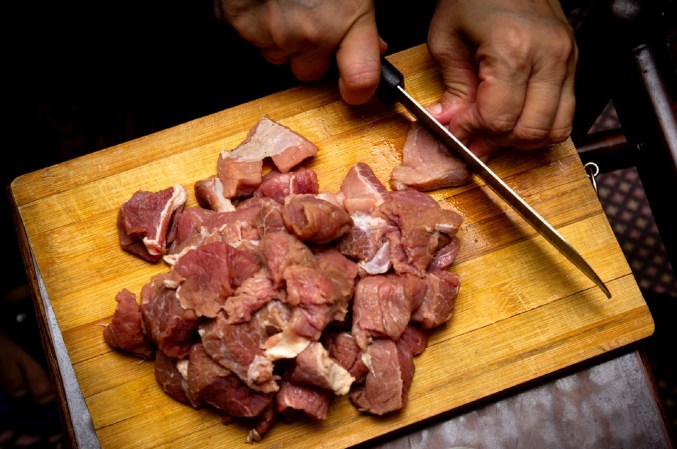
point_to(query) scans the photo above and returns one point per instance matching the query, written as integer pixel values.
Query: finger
(458, 74)
(483, 148)
(564, 119)
(501, 92)
(275, 55)
(547, 114)
(310, 66)
(359, 62)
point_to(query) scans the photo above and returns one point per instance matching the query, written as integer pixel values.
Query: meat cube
(210, 195)
(185, 230)
(171, 327)
(211, 383)
(414, 340)
(382, 306)
(344, 349)
(361, 190)
(207, 275)
(315, 220)
(312, 401)
(386, 386)
(145, 219)
(125, 330)
(269, 219)
(280, 250)
(278, 186)
(240, 169)
(237, 347)
(170, 379)
(315, 367)
(439, 299)
(254, 293)
(424, 228)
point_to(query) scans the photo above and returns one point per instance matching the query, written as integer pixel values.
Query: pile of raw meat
(278, 296)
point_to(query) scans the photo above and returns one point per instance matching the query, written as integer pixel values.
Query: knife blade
(391, 90)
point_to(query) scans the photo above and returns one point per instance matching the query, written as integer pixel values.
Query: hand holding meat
(307, 34)
(508, 69)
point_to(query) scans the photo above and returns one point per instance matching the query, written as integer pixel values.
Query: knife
(391, 90)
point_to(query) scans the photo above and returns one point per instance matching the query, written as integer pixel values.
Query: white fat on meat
(380, 263)
(375, 227)
(182, 367)
(210, 194)
(270, 139)
(315, 366)
(285, 345)
(155, 245)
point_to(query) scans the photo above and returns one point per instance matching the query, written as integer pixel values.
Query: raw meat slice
(427, 164)
(207, 275)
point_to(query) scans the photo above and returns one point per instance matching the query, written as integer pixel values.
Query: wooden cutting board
(523, 311)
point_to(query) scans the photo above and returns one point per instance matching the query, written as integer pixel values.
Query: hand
(308, 33)
(20, 374)
(508, 69)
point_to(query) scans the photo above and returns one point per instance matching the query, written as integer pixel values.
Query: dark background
(85, 76)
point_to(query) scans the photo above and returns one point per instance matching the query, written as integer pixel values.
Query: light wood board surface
(523, 311)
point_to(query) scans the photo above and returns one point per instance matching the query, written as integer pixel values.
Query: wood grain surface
(523, 310)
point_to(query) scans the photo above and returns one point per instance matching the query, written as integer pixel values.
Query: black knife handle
(391, 78)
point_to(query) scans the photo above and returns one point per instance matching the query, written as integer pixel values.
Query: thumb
(359, 61)
(459, 73)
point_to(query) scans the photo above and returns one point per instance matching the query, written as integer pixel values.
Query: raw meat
(286, 296)
(126, 330)
(278, 186)
(427, 164)
(240, 169)
(315, 220)
(144, 221)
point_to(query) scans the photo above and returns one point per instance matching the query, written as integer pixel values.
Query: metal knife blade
(391, 89)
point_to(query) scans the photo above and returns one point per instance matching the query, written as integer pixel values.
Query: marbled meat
(278, 296)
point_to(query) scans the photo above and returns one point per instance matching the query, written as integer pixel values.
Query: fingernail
(435, 108)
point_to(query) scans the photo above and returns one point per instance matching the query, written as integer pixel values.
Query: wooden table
(524, 312)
